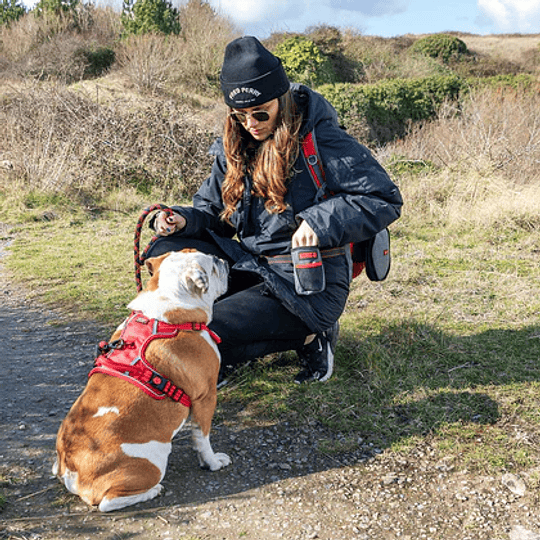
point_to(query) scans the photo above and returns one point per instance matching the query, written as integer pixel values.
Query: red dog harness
(125, 357)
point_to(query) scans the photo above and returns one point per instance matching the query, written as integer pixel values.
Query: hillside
(431, 422)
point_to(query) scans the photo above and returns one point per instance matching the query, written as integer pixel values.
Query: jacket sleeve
(362, 199)
(207, 206)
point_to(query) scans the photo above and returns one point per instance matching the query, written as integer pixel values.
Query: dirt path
(279, 485)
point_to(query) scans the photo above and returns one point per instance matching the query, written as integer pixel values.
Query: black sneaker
(318, 357)
(225, 374)
(222, 381)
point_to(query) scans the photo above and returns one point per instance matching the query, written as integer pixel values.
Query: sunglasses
(260, 116)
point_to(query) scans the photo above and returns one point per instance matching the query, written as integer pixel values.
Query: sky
(384, 18)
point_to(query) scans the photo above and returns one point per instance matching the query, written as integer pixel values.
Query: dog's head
(187, 279)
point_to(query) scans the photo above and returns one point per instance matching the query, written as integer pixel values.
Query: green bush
(388, 107)
(96, 60)
(56, 7)
(150, 16)
(332, 43)
(441, 46)
(304, 62)
(10, 10)
(522, 81)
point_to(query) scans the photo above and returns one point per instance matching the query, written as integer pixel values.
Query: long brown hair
(270, 167)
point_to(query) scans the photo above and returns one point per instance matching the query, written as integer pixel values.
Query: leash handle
(139, 259)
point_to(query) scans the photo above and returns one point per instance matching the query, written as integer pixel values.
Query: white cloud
(271, 11)
(512, 15)
(375, 8)
(257, 11)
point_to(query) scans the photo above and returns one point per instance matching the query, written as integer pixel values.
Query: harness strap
(309, 149)
(125, 358)
(143, 376)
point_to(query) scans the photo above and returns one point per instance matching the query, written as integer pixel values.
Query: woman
(260, 190)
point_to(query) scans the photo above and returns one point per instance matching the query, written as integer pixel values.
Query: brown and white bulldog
(113, 446)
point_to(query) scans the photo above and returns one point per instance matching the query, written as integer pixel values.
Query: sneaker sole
(330, 369)
(222, 384)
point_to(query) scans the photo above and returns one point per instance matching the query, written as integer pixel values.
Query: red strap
(136, 335)
(314, 164)
(312, 160)
(145, 378)
(198, 327)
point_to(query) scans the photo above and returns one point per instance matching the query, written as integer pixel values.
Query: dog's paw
(116, 503)
(216, 462)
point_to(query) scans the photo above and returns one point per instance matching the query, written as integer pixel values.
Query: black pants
(250, 321)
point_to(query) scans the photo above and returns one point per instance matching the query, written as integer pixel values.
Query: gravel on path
(280, 485)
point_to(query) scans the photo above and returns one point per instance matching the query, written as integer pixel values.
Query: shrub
(204, 35)
(47, 7)
(62, 141)
(304, 62)
(388, 107)
(10, 10)
(331, 42)
(97, 60)
(441, 46)
(148, 60)
(523, 81)
(150, 16)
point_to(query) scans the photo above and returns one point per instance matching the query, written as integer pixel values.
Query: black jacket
(362, 200)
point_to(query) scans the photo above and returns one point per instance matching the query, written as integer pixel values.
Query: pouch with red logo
(308, 270)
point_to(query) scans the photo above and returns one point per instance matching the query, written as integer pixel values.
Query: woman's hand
(304, 236)
(166, 224)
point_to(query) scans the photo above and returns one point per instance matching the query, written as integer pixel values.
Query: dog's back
(114, 444)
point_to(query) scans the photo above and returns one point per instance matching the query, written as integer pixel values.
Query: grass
(84, 265)
(445, 350)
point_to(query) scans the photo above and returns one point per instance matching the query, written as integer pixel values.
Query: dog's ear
(154, 263)
(196, 280)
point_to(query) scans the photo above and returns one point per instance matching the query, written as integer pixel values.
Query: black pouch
(375, 252)
(308, 269)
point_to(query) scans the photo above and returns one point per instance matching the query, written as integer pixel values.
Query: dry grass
(513, 48)
(51, 47)
(205, 35)
(480, 162)
(66, 141)
(192, 59)
(148, 61)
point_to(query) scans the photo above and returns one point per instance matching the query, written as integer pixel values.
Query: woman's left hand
(304, 236)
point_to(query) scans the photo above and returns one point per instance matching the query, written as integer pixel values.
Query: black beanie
(251, 75)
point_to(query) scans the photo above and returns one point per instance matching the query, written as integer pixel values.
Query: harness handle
(139, 259)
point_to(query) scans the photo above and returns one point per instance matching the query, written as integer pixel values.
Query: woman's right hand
(166, 224)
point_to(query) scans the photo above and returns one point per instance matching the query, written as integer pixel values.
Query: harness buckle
(104, 347)
(157, 381)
